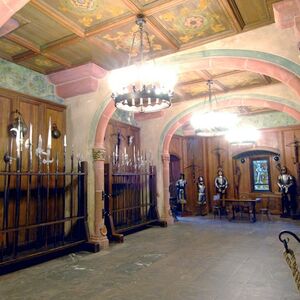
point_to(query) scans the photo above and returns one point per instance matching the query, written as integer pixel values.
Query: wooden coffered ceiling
(54, 35)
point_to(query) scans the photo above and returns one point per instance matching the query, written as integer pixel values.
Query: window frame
(252, 173)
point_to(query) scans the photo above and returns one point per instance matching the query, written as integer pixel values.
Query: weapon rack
(41, 213)
(130, 201)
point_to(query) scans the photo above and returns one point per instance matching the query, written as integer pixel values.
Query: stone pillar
(166, 194)
(100, 232)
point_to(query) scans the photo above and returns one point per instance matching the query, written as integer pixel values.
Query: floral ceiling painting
(195, 19)
(121, 39)
(89, 12)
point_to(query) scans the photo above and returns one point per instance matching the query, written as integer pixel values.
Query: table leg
(254, 212)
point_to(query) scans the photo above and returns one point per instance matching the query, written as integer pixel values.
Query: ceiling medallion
(87, 4)
(143, 87)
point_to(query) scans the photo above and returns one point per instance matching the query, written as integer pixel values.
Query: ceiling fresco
(55, 35)
(195, 20)
(87, 13)
(194, 84)
(241, 80)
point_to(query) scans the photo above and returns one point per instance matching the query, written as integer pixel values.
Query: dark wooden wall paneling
(37, 112)
(125, 130)
(201, 152)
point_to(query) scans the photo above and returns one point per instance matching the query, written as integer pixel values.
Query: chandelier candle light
(213, 123)
(142, 87)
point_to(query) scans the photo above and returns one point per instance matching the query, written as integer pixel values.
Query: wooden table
(240, 202)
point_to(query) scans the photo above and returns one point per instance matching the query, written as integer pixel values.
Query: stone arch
(272, 65)
(184, 116)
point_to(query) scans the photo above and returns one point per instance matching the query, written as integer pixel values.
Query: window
(260, 175)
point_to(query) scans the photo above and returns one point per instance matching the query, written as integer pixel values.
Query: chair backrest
(216, 197)
(244, 196)
(265, 202)
(216, 200)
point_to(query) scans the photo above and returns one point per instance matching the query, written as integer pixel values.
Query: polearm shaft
(39, 152)
(72, 191)
(28, 144)
(19, 145)
(47, 161)
(8, 160)
(64, 187)
(55, 196)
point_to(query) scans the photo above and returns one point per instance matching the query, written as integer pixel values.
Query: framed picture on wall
(260, 174)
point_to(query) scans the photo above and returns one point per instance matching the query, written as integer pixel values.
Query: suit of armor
(221, 184)
(201, 190)
(180, 185)
(285, 182)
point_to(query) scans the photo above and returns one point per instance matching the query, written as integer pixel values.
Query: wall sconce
(55, 132)
(16, 118)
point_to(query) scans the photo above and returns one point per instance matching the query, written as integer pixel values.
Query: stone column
(100, 230)
(166, 194)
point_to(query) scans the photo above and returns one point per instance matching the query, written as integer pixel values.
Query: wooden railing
(41, 213)
(131, 202)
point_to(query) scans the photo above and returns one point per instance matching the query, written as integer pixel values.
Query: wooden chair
(245, 208)
(265, 208)
(217, 206)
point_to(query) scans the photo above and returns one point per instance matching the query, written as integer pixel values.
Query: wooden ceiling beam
(132, 6)
(58, 17)
(58, 59)
(110, 25)
(61, 43)
(127, 19)
(161, 35)
(163, 6)
(190, 82)
(23, 42)
(234, 14)
(24, 56)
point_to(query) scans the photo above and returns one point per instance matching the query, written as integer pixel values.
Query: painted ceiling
(55, 35)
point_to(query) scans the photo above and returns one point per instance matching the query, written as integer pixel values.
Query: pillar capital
(98, 154)
(165, 157)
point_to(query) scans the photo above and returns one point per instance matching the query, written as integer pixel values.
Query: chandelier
(142, 87)
(213, 123)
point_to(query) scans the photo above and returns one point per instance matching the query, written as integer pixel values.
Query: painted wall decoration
(23, 80)
(195, 19)
(124, 117)
(270, 120)
(89, 12)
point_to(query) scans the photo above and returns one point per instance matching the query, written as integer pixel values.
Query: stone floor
(197, 258)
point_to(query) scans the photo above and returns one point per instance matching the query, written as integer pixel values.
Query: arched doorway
(174, 174)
